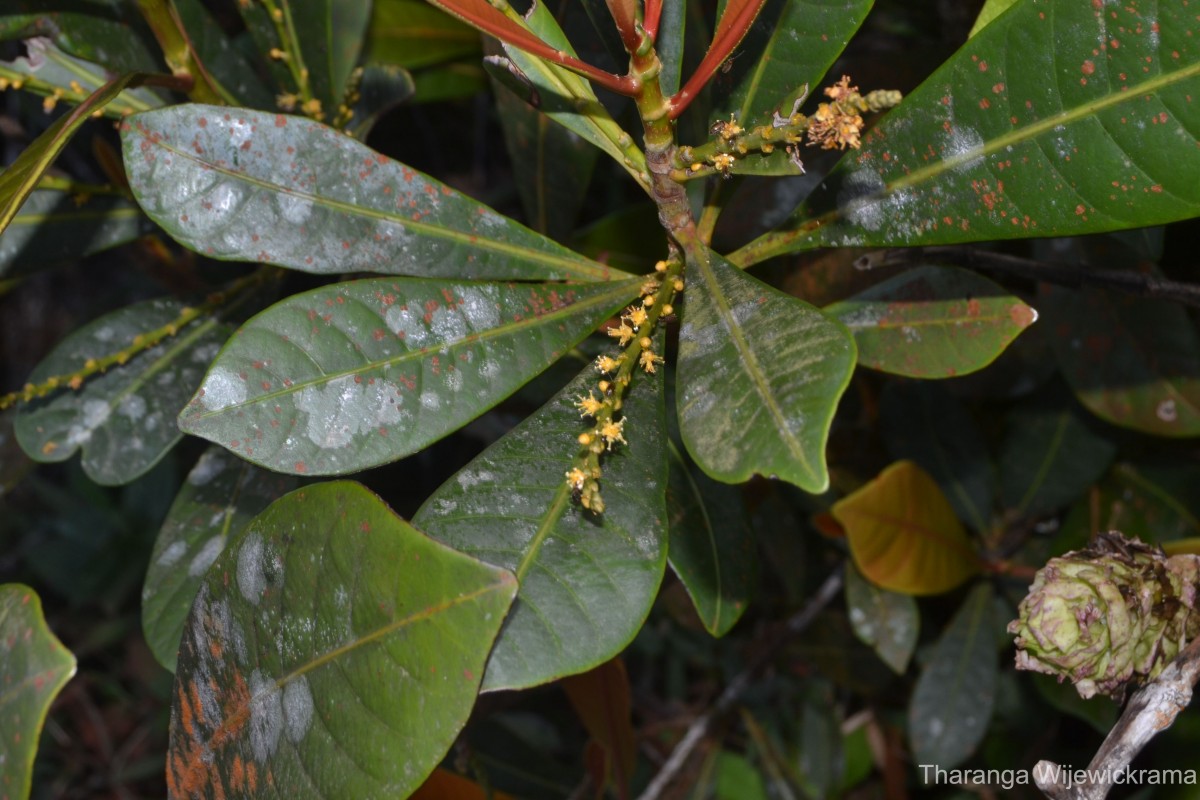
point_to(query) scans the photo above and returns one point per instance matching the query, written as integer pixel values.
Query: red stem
(624, 13)
(652, 14)
(732, 26)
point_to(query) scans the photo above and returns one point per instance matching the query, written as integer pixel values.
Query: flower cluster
(603, 404)
(837, 124)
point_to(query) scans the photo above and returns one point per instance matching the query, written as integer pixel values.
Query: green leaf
(249, 186)
(1156, 502)
(1050, 454)
(952, 702)
(712, 548)
(358, 374)
(380, 89)
(1065, 698)
(221, 57)
(587, 581)
(1054, 119)
(47, 70)
(933, 322)
(451, 82)
(887, 621)
(792, 43)
(221, 495)
(123, 420)
(760, 374)
(925, 423)
(569, 100)
(990, 11)
(35, 666)
(551, 164)
(18, 180)
(106, 32)
(328, 638)
(55, 227)
(412, 33)
(1132, 361)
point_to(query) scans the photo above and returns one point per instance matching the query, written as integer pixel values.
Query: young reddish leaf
(486, 17)
(446, 785)
(904, 536)
(602, 699)
(738, 17)
(34, 666)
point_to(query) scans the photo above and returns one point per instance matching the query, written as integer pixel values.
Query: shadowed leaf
(328, 637)
(250, 186)
(106, 32)
(760, 374)
(124, 419)
(904, 535)
(221, 495)
(602, 699)
(411, 34)
(952, 702)
(358, 374)
(887, 621)
(35, 666)
(587, 581)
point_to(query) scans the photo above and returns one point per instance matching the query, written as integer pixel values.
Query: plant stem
(179, 53)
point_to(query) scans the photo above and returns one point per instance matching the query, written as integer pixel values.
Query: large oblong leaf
(1059, 117)
(357, 374)
(952, 702)
(332, 651)
(904, 535)
(933, 322)
(123, 420)
(760, 374)
(587, 581)
(247, 185)
(34, 666)
(221, 495)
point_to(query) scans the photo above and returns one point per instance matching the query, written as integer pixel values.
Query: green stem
(179, 53)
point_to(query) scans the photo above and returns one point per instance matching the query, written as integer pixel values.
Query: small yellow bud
(668, 310)
(648, 300)
(645, 342)
(661, 266)
(605, 386)
(679, 284)
(585, 439)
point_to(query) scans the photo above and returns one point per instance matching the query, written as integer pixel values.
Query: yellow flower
(636, 317)
(723, 162)
(622, 334)
(575, 478)
(611, 431)
(588, 406)
(608, 364)
(648, 359)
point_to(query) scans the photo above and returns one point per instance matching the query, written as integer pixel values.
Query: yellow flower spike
(622, 334)
(612, 432)
(648, 359)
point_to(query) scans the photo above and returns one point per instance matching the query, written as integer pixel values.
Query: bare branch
(733, 692)
(1151, 711)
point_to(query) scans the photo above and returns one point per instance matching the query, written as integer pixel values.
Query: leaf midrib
(578, 267)
(410, 355)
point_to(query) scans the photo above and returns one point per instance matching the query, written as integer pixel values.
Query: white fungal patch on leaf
(297, 708)
(266, 715)
(407, 324)
(206, 555)
(172, 554)
(480, 309)
(93, 414)
(860, 199)
(250, 576)
(345, 408)
(223, 389)
(208, 467)
(132, 406)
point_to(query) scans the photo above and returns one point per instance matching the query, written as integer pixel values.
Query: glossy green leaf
(34, 666)
(904, 535)
(551, 164)
(327, 638)
(450, 82)
(220, 56)
(46, 70)
(124, 419)
(952, 702)
(760, 374)
(933, 322)
(1132, 361)
(1050, 455)
(792, 43)
(54, 227)
(249, 186)
(20, 178)
(990, 11)
(412, 33)
(712, 548)
(106, 32)
(887, 621)
(569, 99)
(221, 495)
(922, 421)
(1054, 119)
(587, 581)
(358, 374)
